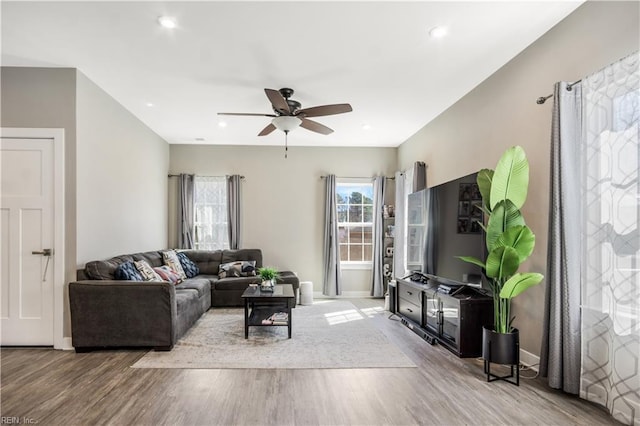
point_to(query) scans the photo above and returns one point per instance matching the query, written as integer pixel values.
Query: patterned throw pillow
(127, 271)
(170, 258)
(240, 268)
(167, 274)
(147, 272)
(190, 268)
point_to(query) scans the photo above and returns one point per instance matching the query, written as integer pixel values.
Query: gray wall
(122, 171)
(284, 198)
(46, 98)
(501, 112)
(115, 167)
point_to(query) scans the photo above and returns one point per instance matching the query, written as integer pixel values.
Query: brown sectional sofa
(109, 313)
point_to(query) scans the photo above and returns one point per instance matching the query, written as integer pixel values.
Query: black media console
(439, 311)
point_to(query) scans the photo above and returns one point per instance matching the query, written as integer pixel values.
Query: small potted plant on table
(269, 276)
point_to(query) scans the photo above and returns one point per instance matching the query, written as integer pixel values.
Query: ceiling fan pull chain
(286, 145)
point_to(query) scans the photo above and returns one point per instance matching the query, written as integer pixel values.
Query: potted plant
(269, 276)
(509, 243)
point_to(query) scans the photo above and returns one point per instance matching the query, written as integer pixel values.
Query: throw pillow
(147, 272)
(190, 268)
(127, 271)
(240, 268)
(167, 274)
(170, 258)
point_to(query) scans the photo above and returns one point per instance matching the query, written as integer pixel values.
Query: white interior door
(26, 233)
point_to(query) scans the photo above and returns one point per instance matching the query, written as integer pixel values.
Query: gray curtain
(377, 273)
(431, 233)
(185, 211)
(234, 210)
(419, 176)
(399, 270)
(560, 352)
(332, 275)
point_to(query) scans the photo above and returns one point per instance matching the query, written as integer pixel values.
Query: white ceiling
(377, 56)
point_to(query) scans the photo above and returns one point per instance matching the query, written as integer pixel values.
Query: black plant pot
(501, 348)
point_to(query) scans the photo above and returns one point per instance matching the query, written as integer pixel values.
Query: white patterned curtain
(611, 263)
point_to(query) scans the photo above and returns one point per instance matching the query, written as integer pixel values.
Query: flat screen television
(442, 223)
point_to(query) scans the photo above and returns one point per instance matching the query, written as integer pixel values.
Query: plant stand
(503, 349)
(493, 377)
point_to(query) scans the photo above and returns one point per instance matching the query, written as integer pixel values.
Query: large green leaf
(502, 262)
(485, 176)
(471, 259)
(519, 283)
(511, 178)
(520, 238)
(504, 216)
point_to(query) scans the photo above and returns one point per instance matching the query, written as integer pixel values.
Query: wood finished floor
(65, 388)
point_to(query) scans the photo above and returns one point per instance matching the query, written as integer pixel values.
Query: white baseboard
(529, 360)
(67, 345)
(345, 294)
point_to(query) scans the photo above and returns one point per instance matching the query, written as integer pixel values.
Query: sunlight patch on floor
(371, 312)
(341, 317)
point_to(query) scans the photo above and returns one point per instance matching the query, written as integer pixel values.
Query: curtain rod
(542, 99)
(241, 177)
(356, 177)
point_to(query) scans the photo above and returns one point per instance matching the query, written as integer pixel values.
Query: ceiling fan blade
(314, 126)
(318, 111)
(277, 100)
(270, 128)
(247, 113)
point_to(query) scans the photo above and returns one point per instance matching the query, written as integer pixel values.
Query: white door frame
(57, 135)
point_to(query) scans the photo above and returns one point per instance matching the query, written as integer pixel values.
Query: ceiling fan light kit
(289, 114)
(286, 123)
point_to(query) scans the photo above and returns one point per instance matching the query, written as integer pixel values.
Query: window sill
(356, 265)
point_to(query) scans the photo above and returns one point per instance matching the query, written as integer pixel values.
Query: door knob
(44, 252)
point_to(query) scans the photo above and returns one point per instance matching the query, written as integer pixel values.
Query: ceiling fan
(289, 114)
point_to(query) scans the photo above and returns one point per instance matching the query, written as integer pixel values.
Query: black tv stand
(445, 313)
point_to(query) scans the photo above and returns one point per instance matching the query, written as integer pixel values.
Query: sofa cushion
(190, 268)
(167, 274)
(153, 258)
(201, 285)
(127, 271)
(208, 261)
(242, 254)
(239, 268)
(234, 283)
(147, 272)
(170, 259)
(105, 269)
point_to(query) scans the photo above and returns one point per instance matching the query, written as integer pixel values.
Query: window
(355, 221)
(210, 209)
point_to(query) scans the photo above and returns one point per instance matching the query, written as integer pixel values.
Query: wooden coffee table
(260, 305)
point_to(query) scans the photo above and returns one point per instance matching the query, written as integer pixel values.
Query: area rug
(327, 334)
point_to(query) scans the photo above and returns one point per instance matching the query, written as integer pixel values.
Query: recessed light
(366, 127)
(149, 104)
(167, 21)
(438, 32)
(222, 124)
